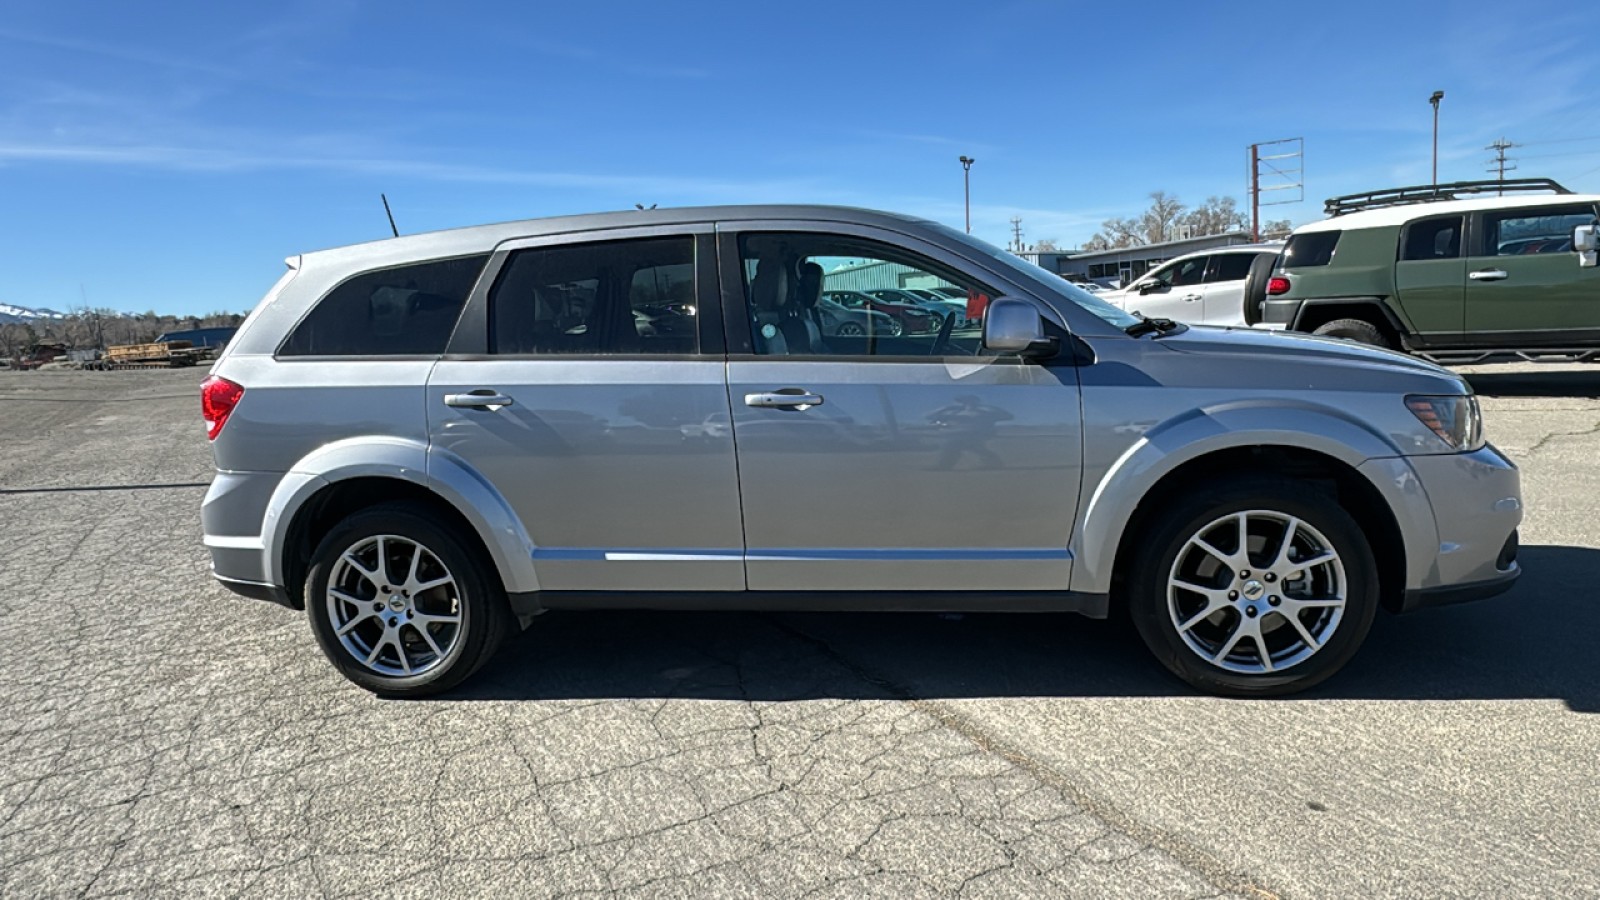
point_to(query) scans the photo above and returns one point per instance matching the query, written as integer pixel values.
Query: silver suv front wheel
(1258, 587)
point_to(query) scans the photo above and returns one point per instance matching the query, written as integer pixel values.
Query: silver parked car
(429, 440)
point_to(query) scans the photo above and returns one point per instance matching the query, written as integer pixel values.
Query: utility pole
(966, 188)
(1016, 234)
(1285, 171)
(1255, 193)
(1500, 165)
(1437, 96)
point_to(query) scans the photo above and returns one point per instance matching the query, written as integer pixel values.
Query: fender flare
(402, 459)
(1401, 326)
(1111, 502)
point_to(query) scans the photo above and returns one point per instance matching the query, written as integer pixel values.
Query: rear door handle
(482, 398)
(1488, 275)
(784, 398)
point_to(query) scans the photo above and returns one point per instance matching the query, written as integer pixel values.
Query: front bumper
(1477, 505)
(1422, 598)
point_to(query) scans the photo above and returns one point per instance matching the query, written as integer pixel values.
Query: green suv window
(1521, 232)
(1432, 239)
(1314, 248)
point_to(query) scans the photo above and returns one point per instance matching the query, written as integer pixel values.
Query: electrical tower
(1016, 234)
(1282, 171)
(1500, 165)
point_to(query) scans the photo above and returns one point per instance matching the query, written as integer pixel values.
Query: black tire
(1155, 614)
(476, 599)
(1255, 286)
(851, 329)
(1359, 330)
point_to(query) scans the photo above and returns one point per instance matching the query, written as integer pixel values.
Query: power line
(1561, 141)
(1501, 164)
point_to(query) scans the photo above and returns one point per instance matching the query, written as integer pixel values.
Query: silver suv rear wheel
(401, 605)
(393, 605)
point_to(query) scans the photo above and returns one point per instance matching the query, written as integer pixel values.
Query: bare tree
(16, 339)
(1277, 228)
(1159, 223)
(1218, 215)
(1117, 233)
(1047, 245)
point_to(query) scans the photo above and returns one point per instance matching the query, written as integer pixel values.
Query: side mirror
(1586, 240)
(1014, 326)
(1151, 287)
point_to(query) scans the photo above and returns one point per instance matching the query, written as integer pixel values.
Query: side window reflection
(823, 295)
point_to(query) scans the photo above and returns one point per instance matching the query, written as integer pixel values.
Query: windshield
(1031, 273)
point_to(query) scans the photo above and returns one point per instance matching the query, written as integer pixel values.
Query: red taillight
(218, 397)
(1276, 285)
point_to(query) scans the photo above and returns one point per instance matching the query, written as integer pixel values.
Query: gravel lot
(159, 735)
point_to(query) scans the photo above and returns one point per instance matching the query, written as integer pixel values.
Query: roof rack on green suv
(1457, 273)
(1429, 193)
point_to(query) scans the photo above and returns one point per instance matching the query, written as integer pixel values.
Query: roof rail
(1428, 193)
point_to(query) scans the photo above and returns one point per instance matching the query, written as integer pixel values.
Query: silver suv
(428, 440)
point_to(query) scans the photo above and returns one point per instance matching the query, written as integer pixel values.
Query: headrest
(770, 288)
(810, 287)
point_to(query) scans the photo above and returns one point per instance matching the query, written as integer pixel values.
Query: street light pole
(1437, 96)
(966, 188)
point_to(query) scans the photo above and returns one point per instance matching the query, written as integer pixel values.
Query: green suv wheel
(1358, 330)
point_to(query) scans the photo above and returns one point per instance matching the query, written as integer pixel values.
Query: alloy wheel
(1257, 592)
(395, 607)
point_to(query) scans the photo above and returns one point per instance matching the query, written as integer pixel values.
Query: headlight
(1454, 418)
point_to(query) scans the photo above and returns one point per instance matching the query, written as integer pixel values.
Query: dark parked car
(910, 319)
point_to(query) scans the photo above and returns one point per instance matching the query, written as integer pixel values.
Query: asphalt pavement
(160, 736)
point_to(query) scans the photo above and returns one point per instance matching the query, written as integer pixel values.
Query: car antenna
(390, 214)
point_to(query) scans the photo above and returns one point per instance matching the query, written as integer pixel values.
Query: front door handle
(482, 398)
(784, 398)
(1488, 275)
(1190, 298)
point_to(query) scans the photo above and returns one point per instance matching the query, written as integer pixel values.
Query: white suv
(1224, 286)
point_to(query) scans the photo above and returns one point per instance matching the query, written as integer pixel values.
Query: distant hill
(21, 327)
(11, 314)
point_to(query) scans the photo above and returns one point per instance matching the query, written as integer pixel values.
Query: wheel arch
(1161, 465)
(1314, 313)
(342, 478)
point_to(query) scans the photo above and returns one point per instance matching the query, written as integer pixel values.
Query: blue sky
(168, 156)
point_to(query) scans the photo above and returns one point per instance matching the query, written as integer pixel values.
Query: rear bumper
(1280, 311)
(256, 590)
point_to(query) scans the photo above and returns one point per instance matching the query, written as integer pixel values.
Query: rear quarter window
(401, 311)
(1313, 248)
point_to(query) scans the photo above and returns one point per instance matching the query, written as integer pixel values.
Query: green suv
(1454, 280)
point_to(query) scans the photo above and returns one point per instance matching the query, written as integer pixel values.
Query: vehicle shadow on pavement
(1534, 642)
(1558, 383)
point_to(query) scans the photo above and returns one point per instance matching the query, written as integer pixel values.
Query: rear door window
(1313, 248)
(1432, 239)
(607, 298)
(1229, 267)
(402, 311)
